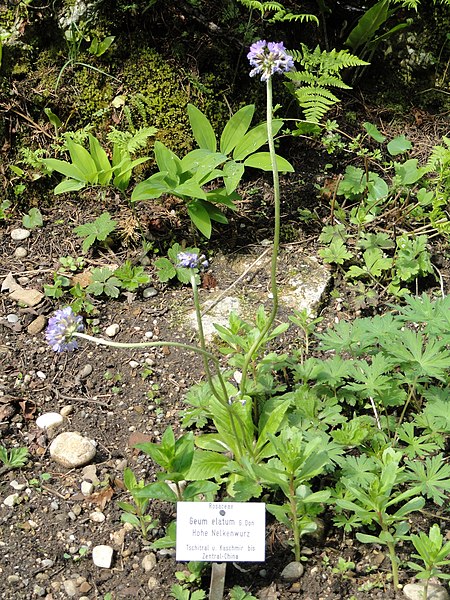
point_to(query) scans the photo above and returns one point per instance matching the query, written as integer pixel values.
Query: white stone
(112, 330)
(87, 488)
(20, 252)
(133, 364)
(97, 517)
(152, 583)
(66, 410)
(10, 500)
(17, 486)
(149, 562)
(70, 449)
(19, 234)
(50, 422)
(102, 556)
(414, 591)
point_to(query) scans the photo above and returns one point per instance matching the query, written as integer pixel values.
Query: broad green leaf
(200, 217)
(167, 161)
(69, 185)
(261, 160)
(270, 420)
(232, 174)
(409, 172)
(254, 139)
(165, 269)
(32, 219)
(190, 189)
(367, 25)
(158, 490)
(206, 465)
(101, 160)
(153, 187)
(206, 489)
(54, 119)
(83, 160)
(374, 133)
(202, 129)
(64, 167)
(215, 214)
(399, 145)
(236, 128)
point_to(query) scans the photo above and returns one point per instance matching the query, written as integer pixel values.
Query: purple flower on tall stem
(191, 260)
(269, 58)
(60, 330)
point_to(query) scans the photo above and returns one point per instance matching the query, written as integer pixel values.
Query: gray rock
(152, 583)
(70, 587)
(150, 292)
(102, 556)
(292, 572)
(70, 449)
(19, 234)
(414, 591)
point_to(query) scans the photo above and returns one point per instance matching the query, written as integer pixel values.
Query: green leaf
(262, 160)
(159, 490)
(69, 185)
(368, 25)
(200, 217)
(101, 160)
(65, 168)
(167, 161)
(206, 465)
(99, 229)
(54, 119)
(254, 139)
(368, 539)
(202, 129)
(153, 187)
(232, 174)
(83, 160)
(236, 128)
(399, 145)
(32, 219)
(374, 133)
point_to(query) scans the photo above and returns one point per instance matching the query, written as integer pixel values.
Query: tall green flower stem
(276, 241)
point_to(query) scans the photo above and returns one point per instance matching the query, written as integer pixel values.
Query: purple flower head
(269, 58)
(191, 260)
(60, 330)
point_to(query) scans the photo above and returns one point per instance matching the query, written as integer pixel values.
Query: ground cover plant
(336, 420)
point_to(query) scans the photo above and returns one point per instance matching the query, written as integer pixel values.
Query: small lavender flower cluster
(269, 58)
(191, 260)
(60, 330)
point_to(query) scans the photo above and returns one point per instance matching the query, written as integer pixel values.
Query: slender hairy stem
(103, 342)
(276, 243)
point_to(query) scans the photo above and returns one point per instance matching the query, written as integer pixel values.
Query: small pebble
(87, 488)
(20, 252)
(41, 375)
(112, 330)
(66, 410)
(133, 364)
(85, 371)
(149, 562)
(10, 500)
(102, 556)
(12, 318)
(19, 234)
(149, 292)
(50, 421)
(97, 517)
(37, 325)
(152, 583)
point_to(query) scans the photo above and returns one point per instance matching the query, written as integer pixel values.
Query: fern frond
(129, 142)
(280, 12)
(315, 102)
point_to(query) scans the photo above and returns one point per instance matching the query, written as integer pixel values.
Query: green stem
(295, 528)
(276, 243)
(394, 565)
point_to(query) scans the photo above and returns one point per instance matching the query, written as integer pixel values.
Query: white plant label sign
(221, 531)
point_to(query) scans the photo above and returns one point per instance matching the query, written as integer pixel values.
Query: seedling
(433, 552)
(14, 458)
(135, 514)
